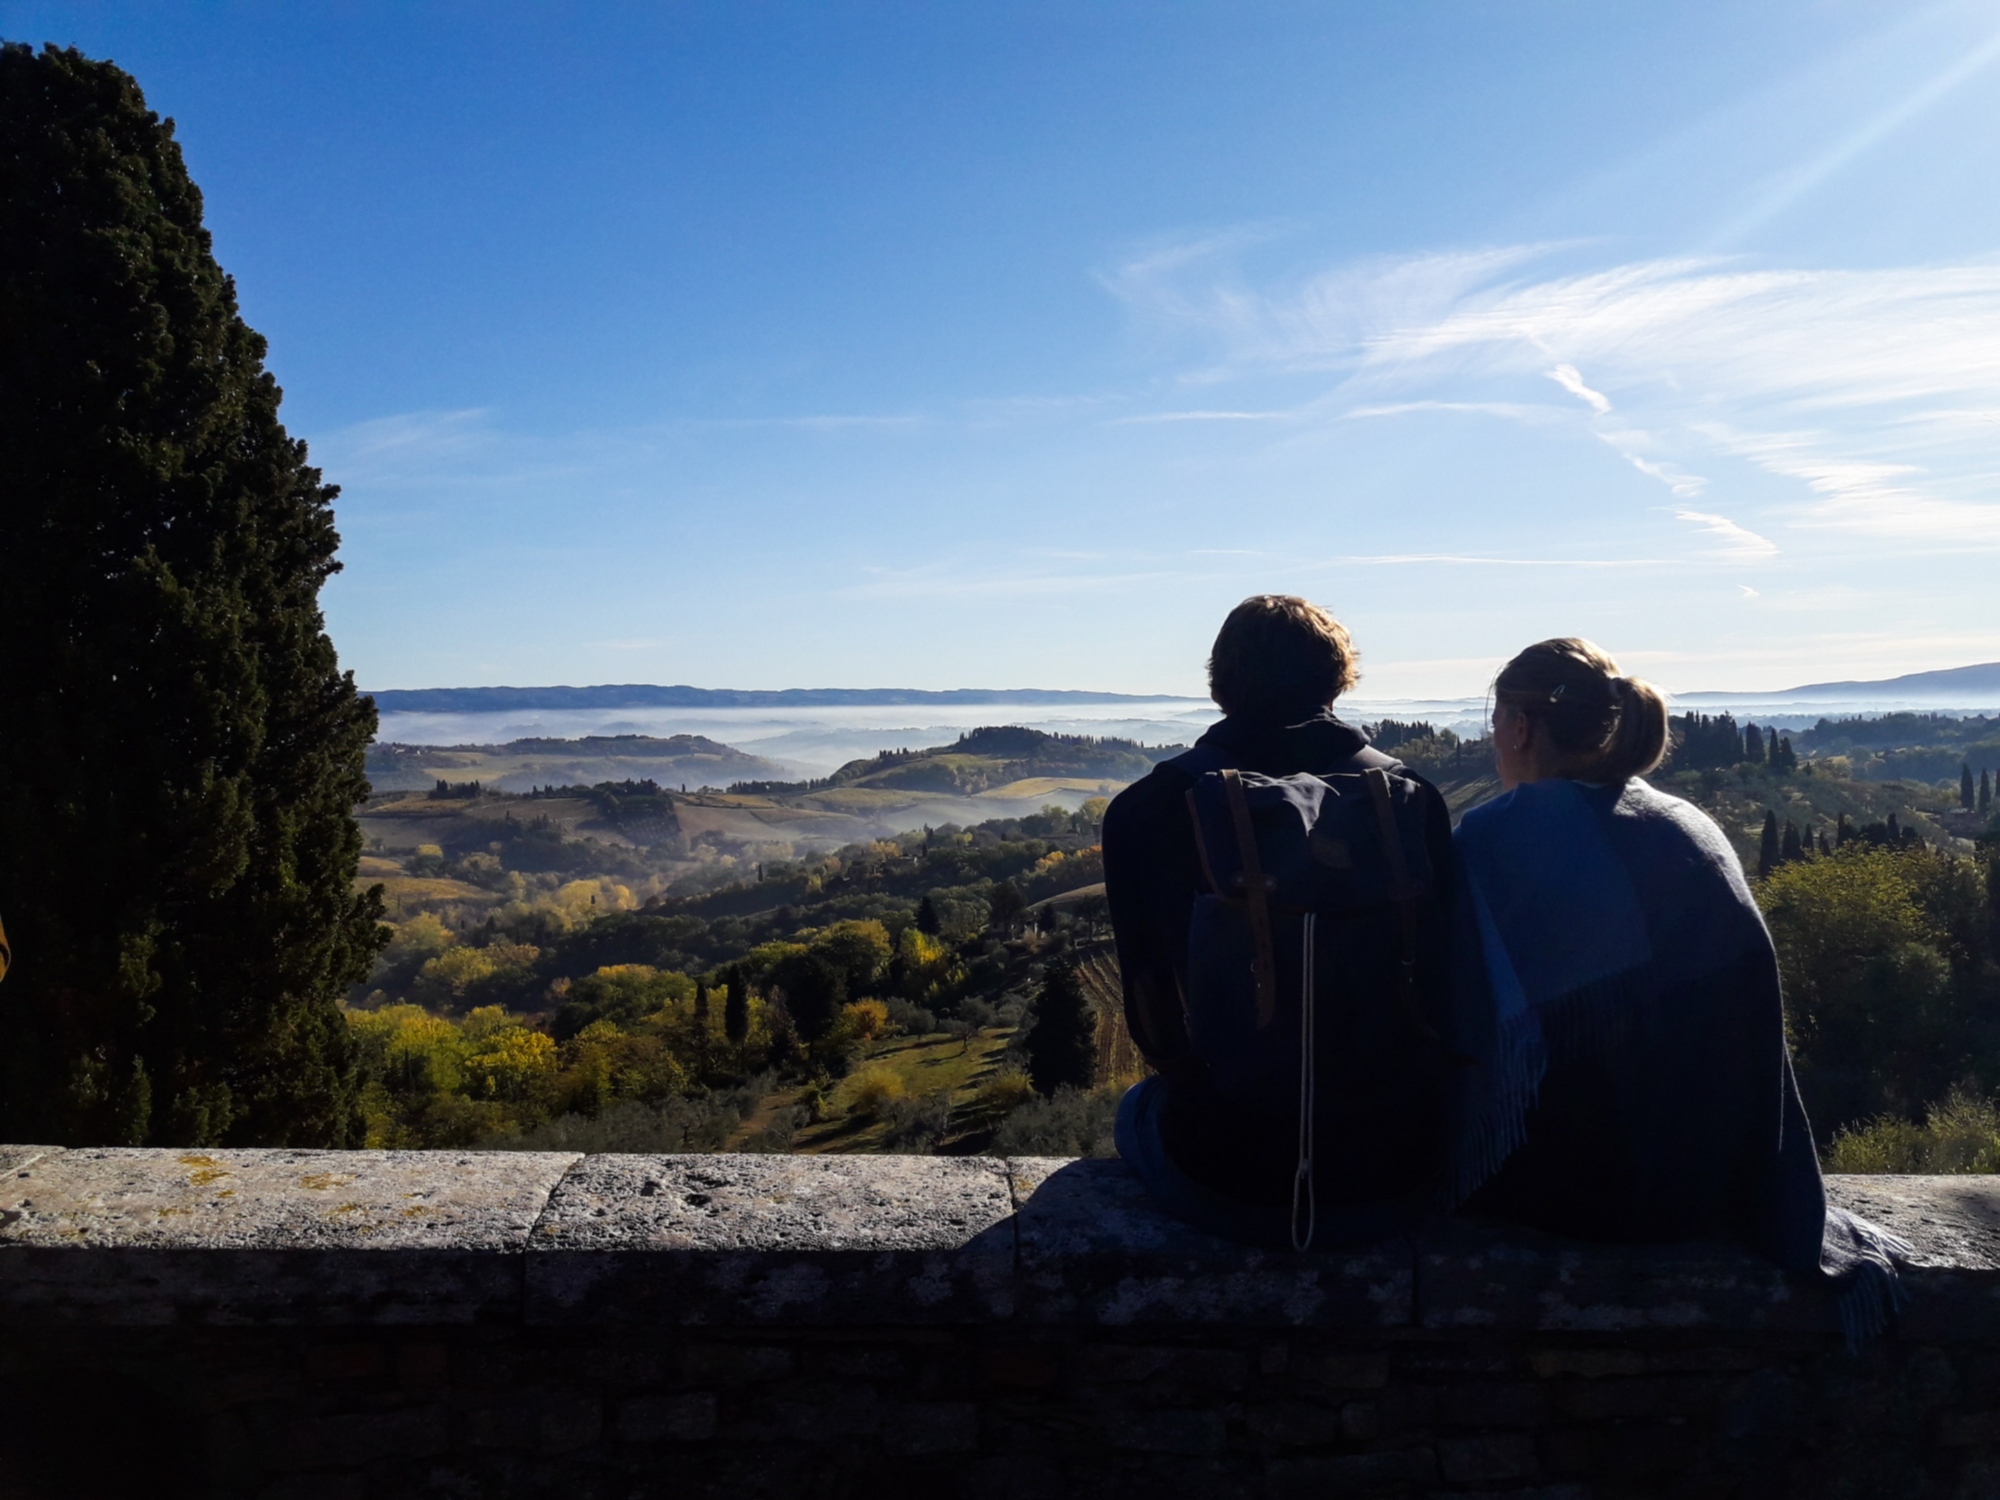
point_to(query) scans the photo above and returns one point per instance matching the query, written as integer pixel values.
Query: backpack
(1309, 995)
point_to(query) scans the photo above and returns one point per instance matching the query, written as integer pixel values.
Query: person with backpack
(1280, 896)
(1617, 995)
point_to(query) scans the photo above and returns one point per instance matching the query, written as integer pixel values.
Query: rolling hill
(522, 765)
(990, 761)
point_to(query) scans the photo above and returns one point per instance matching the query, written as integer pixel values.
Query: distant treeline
(1707, 741)
(1008, 748)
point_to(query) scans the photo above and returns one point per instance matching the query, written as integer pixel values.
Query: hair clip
(1556, 693)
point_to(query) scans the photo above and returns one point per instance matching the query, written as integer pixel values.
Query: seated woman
(1618, 988)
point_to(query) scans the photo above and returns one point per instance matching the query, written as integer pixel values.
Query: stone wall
(370, 1324)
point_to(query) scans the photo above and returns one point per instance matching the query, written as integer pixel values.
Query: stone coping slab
(278, 1199)
(768, 1238)
(155, 1236)
(112, 1236)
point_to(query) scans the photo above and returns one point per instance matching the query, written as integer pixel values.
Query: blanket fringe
(1870, 1292)
(1598, 1016)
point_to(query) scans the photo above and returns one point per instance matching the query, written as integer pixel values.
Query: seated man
(1279, 896)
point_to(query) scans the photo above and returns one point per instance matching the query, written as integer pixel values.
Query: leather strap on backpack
(1403, 890)
(1257, 892)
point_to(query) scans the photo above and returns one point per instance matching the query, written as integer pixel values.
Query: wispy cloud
(1571, 380)
(1738, 543)
(1872, 396)
(1149, 418)
(1457, 560)
(1513, 411)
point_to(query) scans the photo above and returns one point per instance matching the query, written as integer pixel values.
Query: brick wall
(283, 1324)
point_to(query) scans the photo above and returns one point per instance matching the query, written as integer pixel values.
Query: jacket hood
(1278, 749)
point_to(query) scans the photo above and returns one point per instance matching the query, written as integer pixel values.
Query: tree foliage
(1062, 1048)
(1890, 984)
(182, 754)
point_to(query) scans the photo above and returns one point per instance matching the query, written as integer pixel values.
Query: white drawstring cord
(1302, 1180)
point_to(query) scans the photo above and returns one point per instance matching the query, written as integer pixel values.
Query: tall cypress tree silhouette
(1769, 850)
(1062, 1046)
(183, 754)
(735, 1005)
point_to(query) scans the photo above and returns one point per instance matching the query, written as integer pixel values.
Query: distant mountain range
(643, 695)
(1960, 687)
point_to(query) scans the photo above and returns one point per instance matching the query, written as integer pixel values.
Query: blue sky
(1008, 345)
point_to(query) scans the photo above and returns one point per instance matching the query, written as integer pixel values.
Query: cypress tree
(1967, 794)
(701, 1004)
(1753, 743)
(1985, 791)
(1793, 849)
(182, 755)
(927, 918)
(814, 988)
(735, 1005)
(1769, 851)
(1062, 1046)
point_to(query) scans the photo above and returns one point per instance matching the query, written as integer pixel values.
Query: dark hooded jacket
(1152, 874)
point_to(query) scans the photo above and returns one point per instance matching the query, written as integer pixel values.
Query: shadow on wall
(76, 1435)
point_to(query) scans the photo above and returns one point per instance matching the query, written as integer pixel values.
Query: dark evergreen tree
(735, 1005)
(814, 989)
(1770, 851)
(182, 754)
(1985, 791)
(1753, 743)
(1792, 849)
(1843, 831)
(1705, 741)
(927, 918)
(1005, 905)
(1968, 795)
(1783, 757)
(1062, 1046)
(701, 1003)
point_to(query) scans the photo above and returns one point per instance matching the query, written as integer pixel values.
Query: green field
(921, 1065)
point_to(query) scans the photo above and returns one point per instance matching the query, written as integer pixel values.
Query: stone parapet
(129, 1236)
(321, 1323)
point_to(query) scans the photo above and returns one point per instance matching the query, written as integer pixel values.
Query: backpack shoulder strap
(1257, 891)
(1403, 891)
